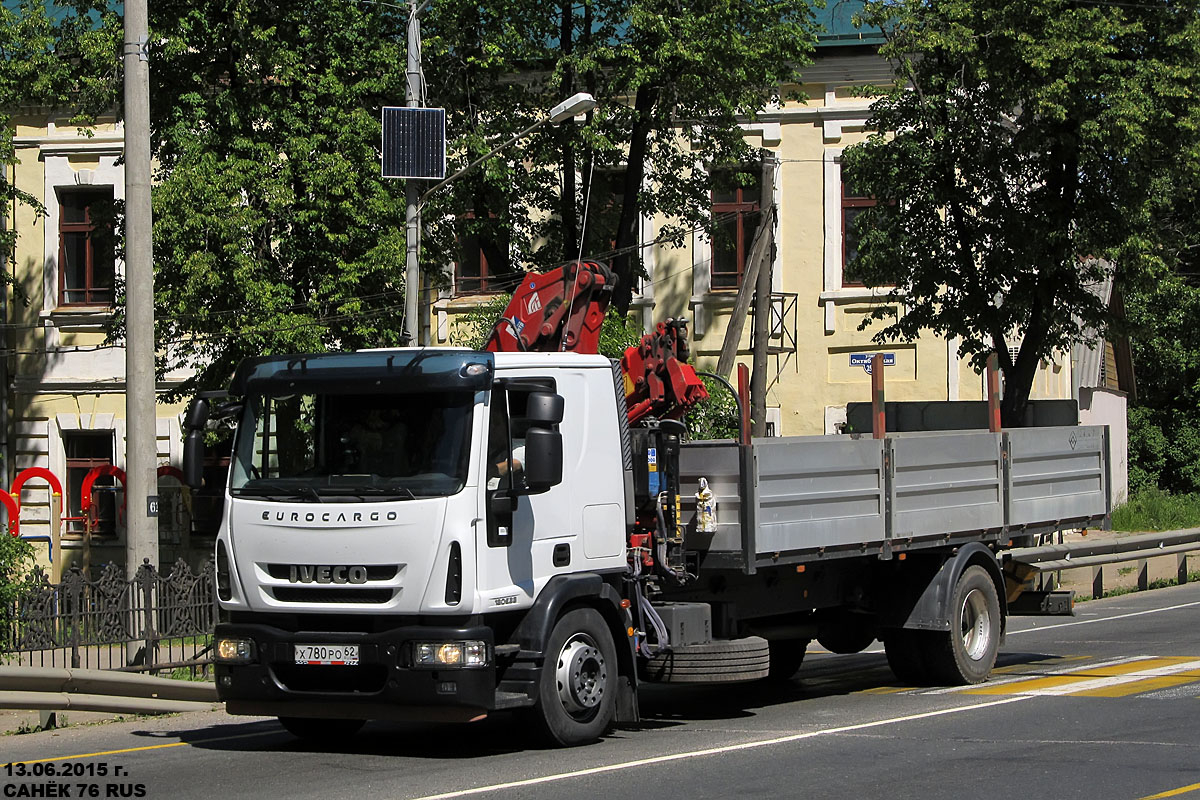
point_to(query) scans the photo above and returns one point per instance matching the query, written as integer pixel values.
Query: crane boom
(563, 309)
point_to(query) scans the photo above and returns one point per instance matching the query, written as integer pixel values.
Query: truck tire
(846, 633)
(722, 661)
(321, 730)
(786, 657)
(903, 650)
(967, 652)
(577, 691)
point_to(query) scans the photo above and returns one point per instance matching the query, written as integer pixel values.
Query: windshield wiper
(267, 488)
(361, 492)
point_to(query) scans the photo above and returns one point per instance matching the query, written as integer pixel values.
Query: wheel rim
(582, 676)
(976, 622)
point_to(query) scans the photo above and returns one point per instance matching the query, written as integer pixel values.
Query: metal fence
(142, 624)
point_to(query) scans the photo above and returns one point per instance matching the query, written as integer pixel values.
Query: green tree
(1164, 424)
(1026, 150)
(673, 81)
(56, 56)
(274, 231)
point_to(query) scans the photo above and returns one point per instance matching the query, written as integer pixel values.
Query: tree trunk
(628, 261)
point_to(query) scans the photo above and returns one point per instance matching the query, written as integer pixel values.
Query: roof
(837, 23)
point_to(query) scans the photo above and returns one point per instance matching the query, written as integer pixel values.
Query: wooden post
(878, 411)
(743, 373)
(993, 387)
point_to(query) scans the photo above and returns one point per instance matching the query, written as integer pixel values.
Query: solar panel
(414, 142)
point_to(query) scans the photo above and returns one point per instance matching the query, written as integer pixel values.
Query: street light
(570, 108)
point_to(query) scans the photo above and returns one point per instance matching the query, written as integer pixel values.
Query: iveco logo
(326, 573)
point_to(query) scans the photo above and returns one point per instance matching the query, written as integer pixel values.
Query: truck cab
(392, 517)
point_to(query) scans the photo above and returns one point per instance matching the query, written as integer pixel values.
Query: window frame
(72, 505)
(851, 202)
(741, 209)
(94, 295)
(485, 278)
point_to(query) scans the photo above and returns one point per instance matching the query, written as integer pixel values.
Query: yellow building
(65, 399)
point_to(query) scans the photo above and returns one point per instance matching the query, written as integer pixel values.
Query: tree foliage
(673, 81)
(1026, 151)
(274, 231)
(1164, 424)
(59, 56)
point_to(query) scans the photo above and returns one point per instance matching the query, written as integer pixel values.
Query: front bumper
(383, 685)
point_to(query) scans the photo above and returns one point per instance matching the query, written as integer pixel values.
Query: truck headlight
(450, 654)
(232, 650)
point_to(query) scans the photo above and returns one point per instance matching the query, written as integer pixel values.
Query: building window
(86, 252)
(736, 203)
(481, 266)
(86, 450)
(853, 205)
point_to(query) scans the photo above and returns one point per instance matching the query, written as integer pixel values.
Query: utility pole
(762, 312)
(412, 190)
(141, 536)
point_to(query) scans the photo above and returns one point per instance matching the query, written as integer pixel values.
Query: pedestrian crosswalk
(1080, 676)
(1115, 678)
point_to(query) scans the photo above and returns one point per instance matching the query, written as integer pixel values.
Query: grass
(1156, 510)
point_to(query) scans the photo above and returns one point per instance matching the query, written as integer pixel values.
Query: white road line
(1112, 680)
(1104, 619)
(713, 751)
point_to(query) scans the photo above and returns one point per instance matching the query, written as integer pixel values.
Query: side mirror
(193, 458)
(543, 459)
(197, 415)
(544, 409)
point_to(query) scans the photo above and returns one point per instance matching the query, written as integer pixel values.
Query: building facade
(65, 398)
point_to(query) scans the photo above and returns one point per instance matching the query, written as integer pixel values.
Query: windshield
(369, 446)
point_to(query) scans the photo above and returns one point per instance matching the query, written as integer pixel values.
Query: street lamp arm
(574, 105)
(480, 160)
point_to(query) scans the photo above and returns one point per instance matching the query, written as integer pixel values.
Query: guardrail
(57, 689)
(1023, 563)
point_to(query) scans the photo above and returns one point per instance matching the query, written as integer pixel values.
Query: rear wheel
(786, 657)
(846, 633)
(321, 730)
(577, 691)
(967, 652)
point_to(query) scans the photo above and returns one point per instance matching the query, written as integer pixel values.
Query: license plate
(340, 654)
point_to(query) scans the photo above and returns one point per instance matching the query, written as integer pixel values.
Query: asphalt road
(1104, 705)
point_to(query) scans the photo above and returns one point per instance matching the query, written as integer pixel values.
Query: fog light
(450, 654)
(235, 650)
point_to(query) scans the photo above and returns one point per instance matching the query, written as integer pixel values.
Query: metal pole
(412, 190)
(141, 540)
(878, 406)
(993, 392)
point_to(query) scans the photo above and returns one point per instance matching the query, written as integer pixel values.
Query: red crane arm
(563, 309)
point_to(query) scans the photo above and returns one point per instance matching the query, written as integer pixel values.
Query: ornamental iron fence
(146, 623)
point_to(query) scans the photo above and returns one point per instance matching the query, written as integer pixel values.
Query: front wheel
(577, 691)
(967, 653)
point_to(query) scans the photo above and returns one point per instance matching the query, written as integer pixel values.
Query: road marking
(1113, 680)
(146, 747)
(1173, 792)
(1009, 680)
(713, 751)
(1103, 619)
